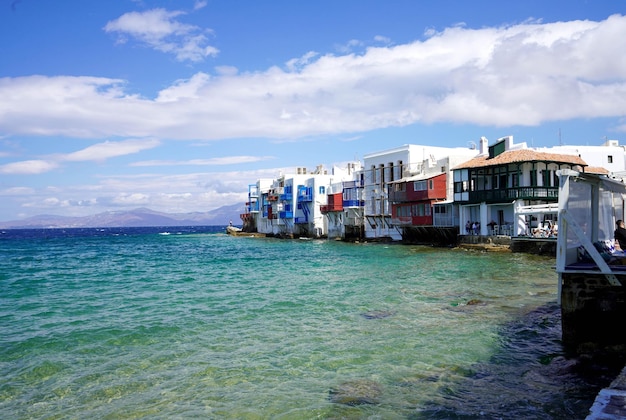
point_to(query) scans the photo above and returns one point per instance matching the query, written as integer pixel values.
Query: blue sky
(178, 105)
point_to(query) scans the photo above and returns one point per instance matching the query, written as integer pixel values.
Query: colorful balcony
(331, 207)
(353, 203)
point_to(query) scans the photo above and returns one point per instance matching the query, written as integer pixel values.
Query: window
(322, 190)
(610, 159)
(533, 178)
(460, 186)
(503, 182)
(419, 186)
(406, 211)
(430, 184)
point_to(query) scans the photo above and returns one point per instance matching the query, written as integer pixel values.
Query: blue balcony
(287, 194)
(353, 203)
(285, 215)
(305, 194)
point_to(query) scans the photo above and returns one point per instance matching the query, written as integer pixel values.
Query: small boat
(232, 229)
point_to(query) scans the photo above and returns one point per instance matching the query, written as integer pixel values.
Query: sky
(178, 106)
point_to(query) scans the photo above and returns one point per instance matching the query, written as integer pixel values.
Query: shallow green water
(213, 326)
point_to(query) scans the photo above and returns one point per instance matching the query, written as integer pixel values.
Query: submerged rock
(356, 392)
(377, 314)
(475, 302)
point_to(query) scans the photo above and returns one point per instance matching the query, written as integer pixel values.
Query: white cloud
(16, 191)
(109, 149)
(134, 199)
(227, 160)
(184, 89)
(159, 29)
(298, 63)
(201, 191)
(199, 5)
(96, 152)
(523, 74)
(28, 167)
(382, 39)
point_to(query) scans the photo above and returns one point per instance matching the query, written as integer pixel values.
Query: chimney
(484, 146)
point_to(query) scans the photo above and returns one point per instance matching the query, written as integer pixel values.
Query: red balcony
(331, 207)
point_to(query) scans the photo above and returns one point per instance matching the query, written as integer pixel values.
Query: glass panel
(579, 209)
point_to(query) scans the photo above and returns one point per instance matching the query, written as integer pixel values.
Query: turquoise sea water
(146, 325)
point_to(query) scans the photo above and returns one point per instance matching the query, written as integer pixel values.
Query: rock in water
(475, 302)
(377, 314)
(356, 392)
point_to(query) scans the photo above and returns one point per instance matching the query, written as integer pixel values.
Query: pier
(592, 277)
(591, 271)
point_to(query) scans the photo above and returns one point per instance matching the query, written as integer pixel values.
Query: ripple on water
(216, 326)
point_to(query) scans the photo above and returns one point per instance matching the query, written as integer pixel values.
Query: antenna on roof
(560, 142)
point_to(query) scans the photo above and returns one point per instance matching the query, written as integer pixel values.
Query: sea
(177, 323)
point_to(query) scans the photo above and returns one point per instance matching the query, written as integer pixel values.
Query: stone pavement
(610, 404)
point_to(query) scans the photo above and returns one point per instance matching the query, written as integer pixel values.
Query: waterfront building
(510, 189)
(609, 156)
(290, 205)
(397, 191)
(251, 215)
(344, 209)
(412, 192)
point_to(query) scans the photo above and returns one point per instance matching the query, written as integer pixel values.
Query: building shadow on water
(531, 375)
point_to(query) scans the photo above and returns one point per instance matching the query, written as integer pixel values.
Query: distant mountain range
(141, 217)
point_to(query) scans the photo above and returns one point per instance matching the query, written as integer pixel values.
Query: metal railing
(510, 194)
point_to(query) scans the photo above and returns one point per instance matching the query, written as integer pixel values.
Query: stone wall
(534, 246)
(593, 311)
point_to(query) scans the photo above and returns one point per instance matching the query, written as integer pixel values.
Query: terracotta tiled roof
(521, 155)
(598, 170)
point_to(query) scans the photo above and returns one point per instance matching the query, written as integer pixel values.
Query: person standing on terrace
(620, 234)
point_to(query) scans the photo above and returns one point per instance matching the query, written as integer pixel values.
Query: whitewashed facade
(290, 204)
(382, 169)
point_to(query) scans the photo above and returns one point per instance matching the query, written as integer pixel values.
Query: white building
(382, 169)
(344, 208)
(291, 204)
(511, 189)
(610, 156)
